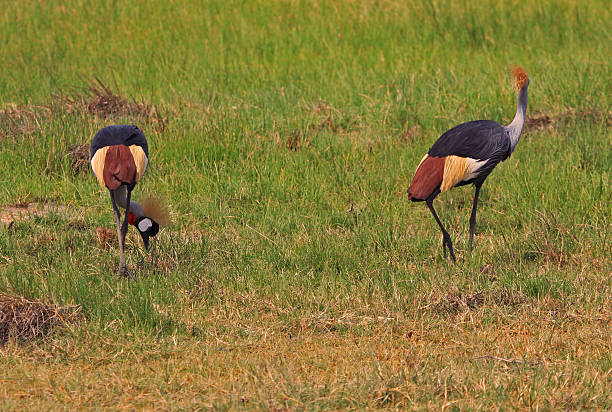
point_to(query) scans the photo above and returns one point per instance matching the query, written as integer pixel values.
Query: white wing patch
(474, 166)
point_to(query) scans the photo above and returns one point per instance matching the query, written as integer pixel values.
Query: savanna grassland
(295, 274)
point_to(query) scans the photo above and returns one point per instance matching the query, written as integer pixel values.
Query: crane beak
(147, 228)
(145, 239)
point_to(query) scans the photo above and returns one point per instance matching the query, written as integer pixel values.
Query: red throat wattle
(132, 219)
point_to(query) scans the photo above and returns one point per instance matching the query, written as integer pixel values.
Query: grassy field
(296, 275)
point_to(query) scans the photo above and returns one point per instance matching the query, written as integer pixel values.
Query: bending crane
(467, 154)
(119, 158)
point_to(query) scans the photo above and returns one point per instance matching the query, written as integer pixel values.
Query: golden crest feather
(520, 77)
(155, 209)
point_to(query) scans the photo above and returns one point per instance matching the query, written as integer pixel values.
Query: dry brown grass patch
(17, 121)
(454, 303)
(106, 237)
(329, 118)
(410, 135)
(532, 359)
(95, 99)
(24, 320)
(297, 140)
(98, 99)
(79, 157)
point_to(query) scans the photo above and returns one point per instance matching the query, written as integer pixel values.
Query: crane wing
(465, 154)
(119, 155)
(126, 135)
(480, 139)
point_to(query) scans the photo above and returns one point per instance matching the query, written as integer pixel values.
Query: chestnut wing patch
(119, 167)
(428, 178)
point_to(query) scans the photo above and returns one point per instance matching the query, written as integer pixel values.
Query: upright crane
(119, 158)
(467, 154)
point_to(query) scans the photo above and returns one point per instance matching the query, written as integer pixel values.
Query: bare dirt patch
(19, 211)
(24, 320)
(25, 210)
(541, 120)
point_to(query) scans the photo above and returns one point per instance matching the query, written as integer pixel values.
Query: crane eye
(145, 224)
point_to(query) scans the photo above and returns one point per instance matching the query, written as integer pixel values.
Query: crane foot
(446, 242)
(125, 273)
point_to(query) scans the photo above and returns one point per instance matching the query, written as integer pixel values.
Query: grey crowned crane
(467, 154)
(119, 158)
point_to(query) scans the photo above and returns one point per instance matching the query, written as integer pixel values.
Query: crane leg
(473, 216)
(446, 240)
(124, 229)
(117, 215)
(121, 233)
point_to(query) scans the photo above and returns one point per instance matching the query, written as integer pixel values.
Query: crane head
(147, 228)
(520, 78)
(155, 215)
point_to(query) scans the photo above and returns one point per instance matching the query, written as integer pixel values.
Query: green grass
(296, 273)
